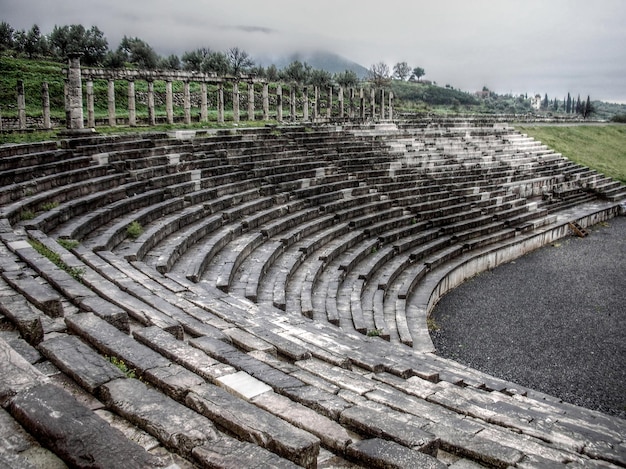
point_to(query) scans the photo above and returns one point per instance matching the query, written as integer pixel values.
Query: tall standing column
(382, 104)
(220, 103)
(132, 111)
(279, 103)
(305, 104)
(373, 103)
(329, 109)
(151, 113)
(292, 103)
(266, 101)
(204, 105)
(236, 101)
(91, 117)
(251, 101)
(362, 99)
(316, 104)
(169, 102)
(187, 102)
(21, 105)
(351, 105)
(391, 105)
(45, 101)
(111, 102)
(340, 101)
(74, 93)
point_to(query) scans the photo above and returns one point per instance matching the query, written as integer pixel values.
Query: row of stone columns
(74, 101)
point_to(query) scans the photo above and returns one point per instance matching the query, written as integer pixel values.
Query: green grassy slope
(600, 147)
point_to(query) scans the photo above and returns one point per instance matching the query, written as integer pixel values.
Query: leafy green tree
(379, 74)
(568, 104)
(114, 59)
(6, 36)
(401, 71)
(347, 78)
(239, 60)
(171, 62)
(139, 53)
(30, 42)
(321, 78)
(271, 73)
(75, 38)
(216, 62)
(296, 72)
(587, 108)
(193, 60)
(418, 72)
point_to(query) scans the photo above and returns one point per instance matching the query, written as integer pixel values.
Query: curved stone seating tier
(273, 311)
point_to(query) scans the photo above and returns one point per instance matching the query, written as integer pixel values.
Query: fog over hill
(322, 60)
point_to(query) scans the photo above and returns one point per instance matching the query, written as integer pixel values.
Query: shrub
(134, 230)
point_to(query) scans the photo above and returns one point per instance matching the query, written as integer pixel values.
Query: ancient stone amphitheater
(269, 306)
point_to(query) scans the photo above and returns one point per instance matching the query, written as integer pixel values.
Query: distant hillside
(328, 61)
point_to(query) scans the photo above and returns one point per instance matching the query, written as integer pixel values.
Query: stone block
(255, 425)
(79, 361)
(177, 427)
(16, 374)
(74, 433)
(376, 423)
(229, 453)
(324, 402)
(384, 454)
(243, 385)
(26, 318)
(39, 294)
(332, 435)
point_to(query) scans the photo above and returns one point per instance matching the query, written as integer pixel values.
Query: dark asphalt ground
(553, 320)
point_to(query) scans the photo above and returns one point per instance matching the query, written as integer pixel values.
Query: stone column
(151, 113)
(187, 102)
(305, 104)
(111, 102)
(132, 111)
(351, 106)
(316, 105)
(391, 105)
(266, 101)
(236, 102)
(329, 109)
(382, 104)
(362, 100)
(45, 100)
(279, 103)
(373, 103)
(340, 101)
(220, 103)
(292, 103)
(204, 105)
(91, 117)
(74, 93)
(251, 101)
(169, 102)
(21, 105)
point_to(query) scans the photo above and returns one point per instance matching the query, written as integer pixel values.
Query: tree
(568, 104)
(6, 36)
(195, 59)
(321, 78)
(138, 52)
(30, 43)
(271, 73)
(216, 62)
(401, 71)
(347, 79)
(418, 72)
(296, 72)
(379, 74)
(171, 62)
(545, 103)
(239, 60)
(587, 108)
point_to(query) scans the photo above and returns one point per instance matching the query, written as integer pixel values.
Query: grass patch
(68, 244)
(75, 272)
(600, 147)
(123, 367)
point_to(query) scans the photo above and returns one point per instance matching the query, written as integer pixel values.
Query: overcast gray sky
(518, 46)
